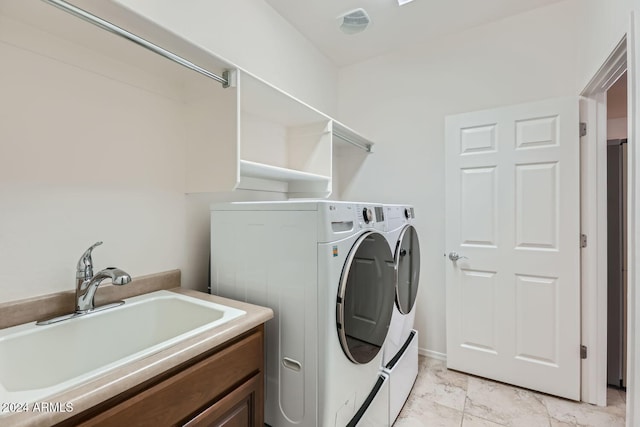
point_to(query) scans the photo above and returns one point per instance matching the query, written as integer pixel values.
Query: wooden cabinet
(224, 387)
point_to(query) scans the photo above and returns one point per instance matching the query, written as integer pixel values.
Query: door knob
(454, 256)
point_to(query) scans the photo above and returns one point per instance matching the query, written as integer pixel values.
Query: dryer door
(365, 298)
(407, 259)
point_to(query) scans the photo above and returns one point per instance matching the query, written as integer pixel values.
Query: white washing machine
(327, 271)
(400, 358)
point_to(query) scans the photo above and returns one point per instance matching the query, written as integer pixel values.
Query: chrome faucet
(86, 285)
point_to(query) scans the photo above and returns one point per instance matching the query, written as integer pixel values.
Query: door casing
(593, 164)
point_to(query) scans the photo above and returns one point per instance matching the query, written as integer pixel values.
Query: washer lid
(407, 259)
(365, 298)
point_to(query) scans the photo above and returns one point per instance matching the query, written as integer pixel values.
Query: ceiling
(392, 26)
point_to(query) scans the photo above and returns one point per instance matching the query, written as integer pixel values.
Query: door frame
(633, 218)
(593, 165)
(623, 57)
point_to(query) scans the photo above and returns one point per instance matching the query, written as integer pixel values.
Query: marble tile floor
(444, 398)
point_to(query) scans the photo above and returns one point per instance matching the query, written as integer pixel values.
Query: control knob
(367, 215)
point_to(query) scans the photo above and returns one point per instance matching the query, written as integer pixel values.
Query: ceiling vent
(354, 22)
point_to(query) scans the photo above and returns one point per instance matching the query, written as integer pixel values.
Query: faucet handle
(84, 269)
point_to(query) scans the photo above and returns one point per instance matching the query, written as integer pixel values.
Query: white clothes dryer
(400, 358)
(327, 271)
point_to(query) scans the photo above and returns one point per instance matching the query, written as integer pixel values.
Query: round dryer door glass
(407, 260)
(365, 298)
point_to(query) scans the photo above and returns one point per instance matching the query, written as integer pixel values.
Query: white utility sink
(39, 361)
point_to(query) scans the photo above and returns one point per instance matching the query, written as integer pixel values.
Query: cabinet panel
(237, 409)
(171, 401)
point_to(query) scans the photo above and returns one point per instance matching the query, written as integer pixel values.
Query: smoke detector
(355, 21)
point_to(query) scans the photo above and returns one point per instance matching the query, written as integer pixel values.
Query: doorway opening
(617, 133)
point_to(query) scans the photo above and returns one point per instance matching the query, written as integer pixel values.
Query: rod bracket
(230, 77)
(226, 75)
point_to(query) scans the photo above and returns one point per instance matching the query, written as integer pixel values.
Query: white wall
(603, 25)
(91, 146)
(400, 101)
(250, 34)
(617, 128)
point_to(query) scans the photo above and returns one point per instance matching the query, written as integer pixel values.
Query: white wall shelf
(259, 176)
(260, 170)
(282, 140)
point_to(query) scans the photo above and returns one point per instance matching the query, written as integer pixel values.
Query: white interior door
(513, 209)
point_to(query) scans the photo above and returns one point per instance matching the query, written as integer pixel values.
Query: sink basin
(38, 361)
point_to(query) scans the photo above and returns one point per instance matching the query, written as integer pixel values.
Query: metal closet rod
(365, 147)
(108, 26)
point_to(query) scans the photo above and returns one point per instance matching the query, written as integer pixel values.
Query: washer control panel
(370, 216)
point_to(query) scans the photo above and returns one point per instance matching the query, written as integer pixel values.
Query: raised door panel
(478, 139)
(237, 409)
(537, 207)
(479, 215)
(537, 328)
(478, 316)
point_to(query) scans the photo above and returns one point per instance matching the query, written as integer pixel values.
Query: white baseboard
(432, 354)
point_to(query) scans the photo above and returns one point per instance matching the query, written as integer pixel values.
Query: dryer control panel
(398, 215)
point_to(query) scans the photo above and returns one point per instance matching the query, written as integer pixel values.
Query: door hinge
(583, 352)
(583, 129)
(583, 240)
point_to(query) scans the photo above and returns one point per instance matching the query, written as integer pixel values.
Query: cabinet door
(240, 408)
